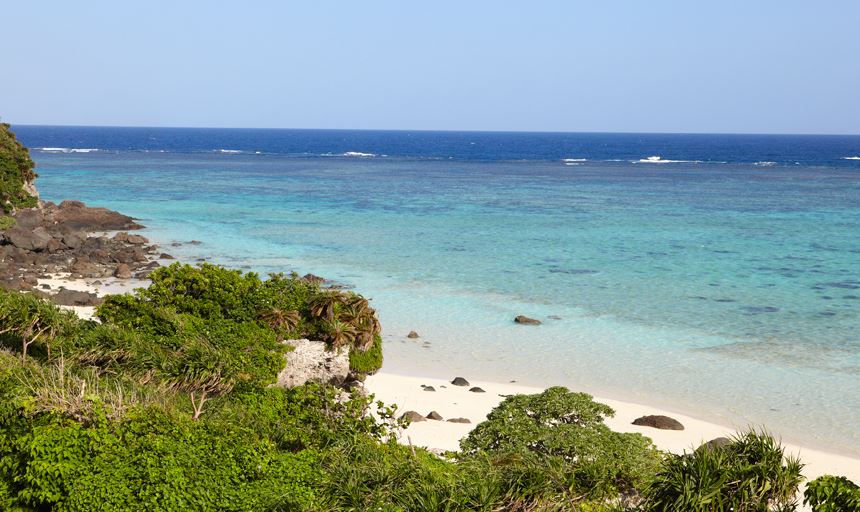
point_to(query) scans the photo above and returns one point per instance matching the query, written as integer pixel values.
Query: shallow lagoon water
(729, 290)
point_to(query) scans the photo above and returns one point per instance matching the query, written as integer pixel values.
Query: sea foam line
(851, 158)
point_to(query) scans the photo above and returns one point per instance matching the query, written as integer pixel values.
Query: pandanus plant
(281, 320)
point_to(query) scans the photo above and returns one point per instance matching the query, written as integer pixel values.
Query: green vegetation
(832, 494)
(166, 404)
(16, 170)
(7, 222)
(563, 432)
(749, 473)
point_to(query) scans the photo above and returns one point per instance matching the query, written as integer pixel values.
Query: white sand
(107, 286)
(458, 402)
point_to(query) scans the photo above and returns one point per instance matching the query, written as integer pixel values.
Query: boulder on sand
(75, 298)
(122, 271)
(412, 416)
(659, 422)
(460, 381)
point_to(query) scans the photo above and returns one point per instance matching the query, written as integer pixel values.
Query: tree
(32, 320)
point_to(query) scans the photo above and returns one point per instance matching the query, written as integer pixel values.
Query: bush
(367, 362)
(561, 433)
(16, 169)
(750, 473)
(832, 494)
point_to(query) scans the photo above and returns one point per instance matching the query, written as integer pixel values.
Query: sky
(762, 66)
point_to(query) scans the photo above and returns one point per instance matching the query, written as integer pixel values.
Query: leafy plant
(562, 430)
(750, 473)
(830, 493)
(16, 170)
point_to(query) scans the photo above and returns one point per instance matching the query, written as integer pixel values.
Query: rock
(660, 422)
(434, 416)
(86, 268)
(122, 271)
(122, 236)
(477, 390)
(521, 319)
(75, 215)
(459, 420)
(412, 416)
(27, 239)
(165, 256)
(74, 239)
(195, 242)
(137, 239)
(413, 335)
(460, 381)
(554, 317)
(45, 286)
(429, 388)
(312, 279)
(75, 298)
(310, 361)
(29, 218)
(54, 245)
(715, 444)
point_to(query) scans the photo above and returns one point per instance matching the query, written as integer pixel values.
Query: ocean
(717, 275)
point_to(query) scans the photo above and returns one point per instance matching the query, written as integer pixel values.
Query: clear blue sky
(649, 66)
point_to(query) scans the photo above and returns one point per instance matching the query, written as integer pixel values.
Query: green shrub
(367, 362)
(16, 169)
(830, 493)
(7, 222)
(562, 431)
(750, 473)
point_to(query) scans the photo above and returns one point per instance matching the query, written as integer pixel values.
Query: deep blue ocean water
(712, 274)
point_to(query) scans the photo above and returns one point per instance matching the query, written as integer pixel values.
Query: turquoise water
(727, 290)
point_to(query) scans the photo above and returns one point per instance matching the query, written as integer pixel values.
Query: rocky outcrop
(659, 422)
(56, 238)
(310, 361)
(76, 216)
(75, 298)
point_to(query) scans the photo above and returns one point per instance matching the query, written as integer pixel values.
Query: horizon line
(425, 130)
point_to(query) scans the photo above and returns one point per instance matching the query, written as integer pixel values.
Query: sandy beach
(458, 402)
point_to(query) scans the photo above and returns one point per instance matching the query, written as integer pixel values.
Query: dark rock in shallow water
(756, 310)
(715, 444)
(165, 256)
(477, 390)
(522, 319)
(412, 334)
(434, 416)
(412, 416)
(459, 420)
(460, 381)
(428, 388)
(660, 422)
(75, 298)
(554, 317)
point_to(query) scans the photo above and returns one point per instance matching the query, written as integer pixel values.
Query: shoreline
(458, 402)
(406, 392)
